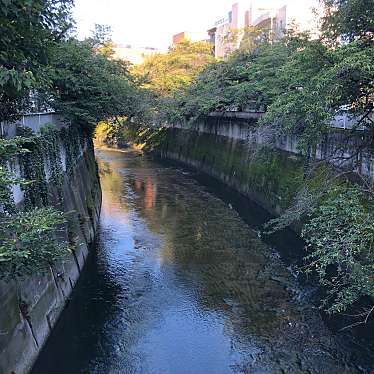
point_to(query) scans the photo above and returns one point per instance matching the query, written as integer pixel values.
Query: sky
(152, 23)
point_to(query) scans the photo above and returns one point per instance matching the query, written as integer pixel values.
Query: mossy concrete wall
(340, 147)
(267, 168)
(271, 177)
(31, 306)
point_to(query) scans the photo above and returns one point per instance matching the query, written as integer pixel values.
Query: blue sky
(153, 22)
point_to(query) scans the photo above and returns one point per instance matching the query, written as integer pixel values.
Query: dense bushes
(340, 235)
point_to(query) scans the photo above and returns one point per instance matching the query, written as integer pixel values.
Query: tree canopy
(165, 73)
(42, 64)
(29, 31)
(88, 87)
(348, 19)
(300, 82)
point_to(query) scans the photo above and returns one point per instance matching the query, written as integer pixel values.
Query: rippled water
(179, 283)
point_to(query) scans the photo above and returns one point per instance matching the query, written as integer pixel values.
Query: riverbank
(31, 305)
(180, 283)
(227, 150)
(270, 177)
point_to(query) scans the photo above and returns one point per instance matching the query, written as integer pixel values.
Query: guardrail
(34, 121)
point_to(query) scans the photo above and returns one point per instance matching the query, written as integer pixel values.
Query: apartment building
(273, 16)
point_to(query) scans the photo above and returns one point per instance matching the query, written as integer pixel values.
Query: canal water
(180, 284)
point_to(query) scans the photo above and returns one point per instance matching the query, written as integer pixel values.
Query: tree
(168, 72)
(340, 236)
(246, 79)
(29, 30)
(247, 39)
(102, 40)
(316, 82)
(302, 83)
(88, 87)
(348, 19)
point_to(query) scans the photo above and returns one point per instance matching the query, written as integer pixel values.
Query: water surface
(180, 284)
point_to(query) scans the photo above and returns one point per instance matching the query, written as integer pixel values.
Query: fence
(34, 121)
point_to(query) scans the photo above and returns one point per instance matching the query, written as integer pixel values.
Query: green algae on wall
(269, 176)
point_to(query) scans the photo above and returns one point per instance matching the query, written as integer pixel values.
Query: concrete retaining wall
(338, 148)
(30, 307)
(228, 149)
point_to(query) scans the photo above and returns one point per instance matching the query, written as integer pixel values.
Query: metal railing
(34, 121)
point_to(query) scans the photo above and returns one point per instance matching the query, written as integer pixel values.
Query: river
(179, 283)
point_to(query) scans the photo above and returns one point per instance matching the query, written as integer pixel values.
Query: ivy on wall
(29, 241)
(73, 142)
(31, 236)
(8, 149)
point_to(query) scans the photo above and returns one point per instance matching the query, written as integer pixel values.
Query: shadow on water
(286, 241)
(291, 249)
(91, 305)
(179, 283)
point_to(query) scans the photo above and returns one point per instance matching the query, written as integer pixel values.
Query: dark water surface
(180, 284)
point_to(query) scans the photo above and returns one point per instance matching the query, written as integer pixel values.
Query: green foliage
(31, 238)
(149, 138)
(124, 134)
(43, 153)
(301, 84)
(349, 19)
(89, 87)
(50, 148)
(72, 140)
(340, 236)
(168, 72)
(307, 194)
(337, 219)
(38, 63)
(102, 40)
(248, 38)
(32, 166)
(28, 242)
(40, 67)
(29, 30)
(247, 80)
(316, 82)
(9, 148)
(111, 134)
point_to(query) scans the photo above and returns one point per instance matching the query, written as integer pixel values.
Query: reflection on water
(180, 284)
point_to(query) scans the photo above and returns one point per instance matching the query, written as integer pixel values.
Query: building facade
(191, 36)
(272, 16)
(135, 55)
(227, 33)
